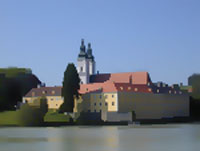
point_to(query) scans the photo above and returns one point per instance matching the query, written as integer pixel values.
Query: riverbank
(55, 119)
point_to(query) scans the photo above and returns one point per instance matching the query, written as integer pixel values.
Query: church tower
(85, 63)
(91, 60)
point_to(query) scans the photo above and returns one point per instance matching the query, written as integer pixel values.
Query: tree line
(14, 84)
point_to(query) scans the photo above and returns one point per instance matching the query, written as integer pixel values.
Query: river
(179, 137)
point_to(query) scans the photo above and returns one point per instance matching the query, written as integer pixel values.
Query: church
(114, 97)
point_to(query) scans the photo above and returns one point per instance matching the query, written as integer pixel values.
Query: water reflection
(84, 139)
(110, 138)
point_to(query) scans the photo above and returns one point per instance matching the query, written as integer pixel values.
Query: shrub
(30, 116)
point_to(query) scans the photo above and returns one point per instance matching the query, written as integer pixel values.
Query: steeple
(82, 53)
(85, 63)
(89, 52)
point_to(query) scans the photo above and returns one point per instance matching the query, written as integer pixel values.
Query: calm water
(107, 138)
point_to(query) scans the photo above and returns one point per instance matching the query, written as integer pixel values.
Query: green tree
(30, 116)
(15, 83)
(194, 81)
(33, 116)
(71, 85)
(43, 105)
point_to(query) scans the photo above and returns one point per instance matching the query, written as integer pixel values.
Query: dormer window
(33, 93)
(44, 92)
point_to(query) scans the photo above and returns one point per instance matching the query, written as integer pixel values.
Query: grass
(54, 116)
(8, 118)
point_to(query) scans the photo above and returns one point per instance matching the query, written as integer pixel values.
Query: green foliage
(10, 94)
(15, 83)
(43, 105)
(33, 116)
(71, 85)
(54, 116)
(195, 108)
(30, 116)
(194, 80)
(13, 72)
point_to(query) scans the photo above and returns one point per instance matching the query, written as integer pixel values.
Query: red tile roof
(129, 77)
(113, 87)
(115, 82)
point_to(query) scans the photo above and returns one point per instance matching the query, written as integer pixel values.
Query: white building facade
(85, 63)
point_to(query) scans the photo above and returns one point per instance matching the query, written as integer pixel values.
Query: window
(57, 98)
(94, 110)
(170, 91)
(113, 103)
(106, 96)
(136, 89)
(81, 69)
(106, 103)
(100, 96)
(44, 92)
(95, 104)
(129, 88)
(100, 104)
(158, 90)
(88, 110)
(112, 96)
(180, 92)
(51, 99)
(33, 93)
(121, 88)
(149, 89)
(53, 92)
(86, 89)
(174, 92)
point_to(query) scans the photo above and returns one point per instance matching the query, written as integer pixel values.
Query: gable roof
(107, 87)
(129, 77)
(44, 91)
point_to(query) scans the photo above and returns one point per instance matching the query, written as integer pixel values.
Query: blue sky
(158, 36)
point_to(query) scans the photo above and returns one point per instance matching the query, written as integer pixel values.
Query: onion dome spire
(89, 52)
(82, 53)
